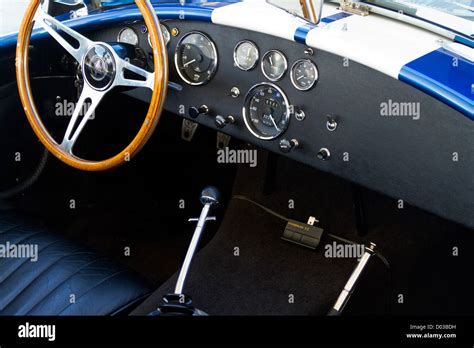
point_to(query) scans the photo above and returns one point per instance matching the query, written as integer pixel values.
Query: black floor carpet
(248, 270)
(269, 276)
(425, 277)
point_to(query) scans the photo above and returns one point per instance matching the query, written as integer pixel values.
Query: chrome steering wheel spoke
(102, 70)
(88, 102)
(53, 26)
(121, 80)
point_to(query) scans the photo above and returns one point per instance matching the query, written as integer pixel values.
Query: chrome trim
(47, 22)
(70, 137)
(284, 71)
(293, 81)
(349, 287)
(176, 52)
(235, 55)
(192, 248)
(244, 111)
(83, 67)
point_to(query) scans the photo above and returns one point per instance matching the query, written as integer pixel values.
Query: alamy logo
(336, 250)
(66, 108)
(19, 251)
(237, 156)
(37, 331)
(403, 109)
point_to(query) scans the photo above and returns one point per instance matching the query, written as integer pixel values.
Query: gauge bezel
(176, 52)
(247, 101)
(235, 55)
(293, 81)
(134, 32)
(284, 70)
(162, 25)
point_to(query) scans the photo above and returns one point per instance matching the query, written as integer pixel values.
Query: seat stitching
(61, 283)
(26, 260)
(40, 274)
(92, 288)
(29, 236)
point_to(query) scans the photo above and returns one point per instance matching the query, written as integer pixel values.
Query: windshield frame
(455, 24)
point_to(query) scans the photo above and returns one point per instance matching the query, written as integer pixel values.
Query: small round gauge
(196, 58)
(266, 111)
(304, 74)
(246, 55)
(274, 65)
(166, 35)
(128, 36)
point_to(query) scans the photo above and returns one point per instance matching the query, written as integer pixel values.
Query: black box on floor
(302, 234)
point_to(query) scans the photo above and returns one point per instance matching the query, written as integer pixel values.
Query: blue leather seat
(67, 278)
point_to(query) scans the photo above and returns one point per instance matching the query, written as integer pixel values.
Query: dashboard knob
(194, 112)
(300, 115)
(287, 145)
(331, 124)
(222, 121)
(323, 154)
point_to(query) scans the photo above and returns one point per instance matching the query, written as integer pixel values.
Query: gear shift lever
(210, 197)
(178, 303)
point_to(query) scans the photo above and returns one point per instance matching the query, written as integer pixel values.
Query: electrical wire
(284, 218)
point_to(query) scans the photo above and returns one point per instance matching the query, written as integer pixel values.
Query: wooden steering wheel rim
(159, 89)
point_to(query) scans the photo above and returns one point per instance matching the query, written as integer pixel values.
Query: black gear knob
(211, 195)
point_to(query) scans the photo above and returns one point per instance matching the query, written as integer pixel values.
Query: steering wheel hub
(99, 67)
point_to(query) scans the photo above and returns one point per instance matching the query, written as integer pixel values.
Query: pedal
(348, 290)
(223, 140)
(188, 128)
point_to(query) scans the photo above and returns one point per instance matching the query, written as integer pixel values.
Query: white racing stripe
(378, 42)
(375, 41)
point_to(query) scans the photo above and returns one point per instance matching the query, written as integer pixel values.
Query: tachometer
(274, 65)
(196, 58)
(304, 74)
(246, 55)
(266, 111)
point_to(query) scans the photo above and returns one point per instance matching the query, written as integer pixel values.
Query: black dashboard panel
(427, 162)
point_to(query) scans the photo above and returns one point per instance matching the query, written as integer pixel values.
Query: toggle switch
(323, 154)
(287, 145)
(222, 121)
(194, 112)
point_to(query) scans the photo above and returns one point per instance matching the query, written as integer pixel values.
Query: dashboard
(314, 107)
(266, 109)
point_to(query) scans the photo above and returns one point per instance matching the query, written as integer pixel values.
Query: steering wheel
(102, 70)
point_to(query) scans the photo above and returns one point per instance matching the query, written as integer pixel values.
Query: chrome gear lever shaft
(210, 197)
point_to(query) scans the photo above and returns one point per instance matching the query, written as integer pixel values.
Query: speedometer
(196, 58)
(266, 111)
